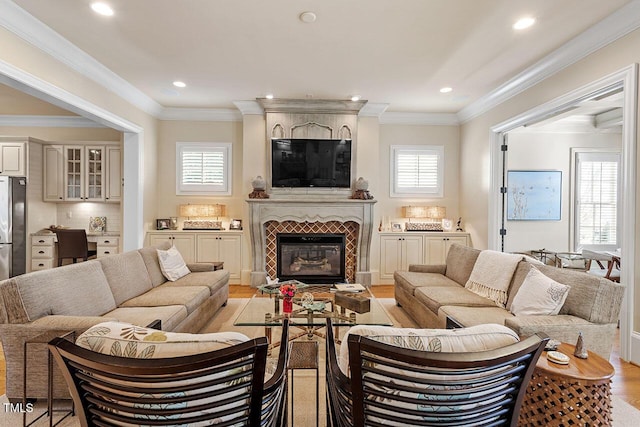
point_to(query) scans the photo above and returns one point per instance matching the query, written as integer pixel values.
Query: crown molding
(434, 119)
(371, 109)
(317, 106)
(249, 107)
(13, 120)
(201, 114)
(30, 29)
(613, 27)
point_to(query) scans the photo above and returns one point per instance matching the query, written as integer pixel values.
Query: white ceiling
(398, 53)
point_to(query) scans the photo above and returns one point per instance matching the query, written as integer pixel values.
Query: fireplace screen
(311, 258)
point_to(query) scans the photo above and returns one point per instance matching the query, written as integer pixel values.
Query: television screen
(311, 163)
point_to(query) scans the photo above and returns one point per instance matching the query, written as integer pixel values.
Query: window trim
(205, 189)
(395, 150)
(574, 233)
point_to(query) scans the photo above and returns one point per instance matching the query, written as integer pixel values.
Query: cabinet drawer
(41, 251)
(41, 264)
(107, 241)
(106, 251)
(42, 240)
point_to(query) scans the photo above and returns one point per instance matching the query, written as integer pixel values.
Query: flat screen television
(311, 163)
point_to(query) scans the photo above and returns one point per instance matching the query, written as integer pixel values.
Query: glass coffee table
(265, 308)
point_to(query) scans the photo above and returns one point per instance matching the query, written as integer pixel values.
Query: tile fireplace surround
(352, 217)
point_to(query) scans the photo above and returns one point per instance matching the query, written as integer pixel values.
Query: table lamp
(433, 214)
(202, 213)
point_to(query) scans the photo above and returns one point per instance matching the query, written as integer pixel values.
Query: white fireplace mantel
(262, 211)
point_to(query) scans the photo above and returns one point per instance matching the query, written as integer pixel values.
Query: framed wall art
(534, 195)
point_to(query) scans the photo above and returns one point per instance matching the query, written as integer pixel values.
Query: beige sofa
(435, 297)
(128, 287)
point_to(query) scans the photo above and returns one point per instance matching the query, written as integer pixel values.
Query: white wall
(549, 151)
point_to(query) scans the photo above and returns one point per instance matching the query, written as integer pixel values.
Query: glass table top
(362, 308)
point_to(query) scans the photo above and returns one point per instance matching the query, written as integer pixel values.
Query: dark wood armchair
(225, 387)
(393, 386)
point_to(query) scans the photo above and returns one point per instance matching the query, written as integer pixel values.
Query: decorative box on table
(354, 302)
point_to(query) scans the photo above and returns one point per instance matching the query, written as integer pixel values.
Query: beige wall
(475, 133)
(549, 151)
(171, 132)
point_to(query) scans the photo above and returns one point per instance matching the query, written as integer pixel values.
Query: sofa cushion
(410, 280)
(435, 297)
(539, 295)
(472, 316)
(189, 296)
(172, 264)
(77, 289)
(214, 280)
(127, 275)
(150, 256)
(170, 315)
(518, 278)
(128, 340)
(492, 274)
(477, 338)
(460, 262)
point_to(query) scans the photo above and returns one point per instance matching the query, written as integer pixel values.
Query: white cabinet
(107, 245)
(42, 252)
(437, 248)
(225, 247)
(205, 246)
(82, 173)
(53, 173)
(13, 158)
(113, 189)
(184, 242)
(399, 250)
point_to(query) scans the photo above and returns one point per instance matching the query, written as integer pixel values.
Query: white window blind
(597, 177)
(417, 170)
(203, 168)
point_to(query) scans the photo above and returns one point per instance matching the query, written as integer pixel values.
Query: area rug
(303, 395)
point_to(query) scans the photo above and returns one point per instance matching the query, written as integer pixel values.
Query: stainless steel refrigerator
(13, 238)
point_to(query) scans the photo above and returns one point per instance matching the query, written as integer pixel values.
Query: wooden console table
(566, 395)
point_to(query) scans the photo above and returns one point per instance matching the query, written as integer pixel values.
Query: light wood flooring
(626, 382)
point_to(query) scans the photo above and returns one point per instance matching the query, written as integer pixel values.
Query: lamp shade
(202, 211)
(432, 212)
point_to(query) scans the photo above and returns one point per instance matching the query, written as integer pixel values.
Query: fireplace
(311, 257)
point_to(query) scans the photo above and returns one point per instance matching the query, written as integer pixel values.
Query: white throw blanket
(491, 275)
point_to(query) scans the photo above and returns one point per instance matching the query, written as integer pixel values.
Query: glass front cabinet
(84, 173)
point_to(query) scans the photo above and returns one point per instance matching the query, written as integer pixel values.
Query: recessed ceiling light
(523, 23)
(355, 98)
(102, 8)
(269, 96)
(178, 83)
(446, 89)
(308, 17)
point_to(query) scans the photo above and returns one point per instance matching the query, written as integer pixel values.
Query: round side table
(568, 395)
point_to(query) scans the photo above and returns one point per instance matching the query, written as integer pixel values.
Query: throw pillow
(539, 295)
(172, 264)
(491, 275)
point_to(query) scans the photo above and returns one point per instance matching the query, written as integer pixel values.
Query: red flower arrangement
(288, 289)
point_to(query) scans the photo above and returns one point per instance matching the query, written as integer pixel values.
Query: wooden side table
(568, 395)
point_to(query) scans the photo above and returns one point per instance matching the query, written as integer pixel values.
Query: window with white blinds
(417, 170)
(203, 168)
(597, 182)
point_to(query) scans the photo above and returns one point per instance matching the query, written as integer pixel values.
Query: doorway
(624, 81)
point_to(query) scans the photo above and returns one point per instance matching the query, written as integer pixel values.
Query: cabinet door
(185, 243)
(390, 256)
(411, 251)
(208, 248)
(113, 190)
(435, 248)
(231, 254)
(73, 173)
(13, 157)
(53, 170)
(94, 174)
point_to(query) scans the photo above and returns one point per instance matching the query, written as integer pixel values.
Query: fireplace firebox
(311, 258)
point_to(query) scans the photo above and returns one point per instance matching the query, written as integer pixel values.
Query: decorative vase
(287, 305)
